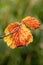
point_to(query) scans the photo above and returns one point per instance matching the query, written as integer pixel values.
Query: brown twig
(1, 37)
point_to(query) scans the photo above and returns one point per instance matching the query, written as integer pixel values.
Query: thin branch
(1, 37)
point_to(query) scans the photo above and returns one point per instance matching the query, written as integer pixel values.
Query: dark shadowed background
(15, 10)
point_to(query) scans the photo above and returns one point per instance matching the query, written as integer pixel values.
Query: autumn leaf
(17, 35)
(31, 22)
(22, 37)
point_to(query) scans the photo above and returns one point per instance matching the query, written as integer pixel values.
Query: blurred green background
(15, 10)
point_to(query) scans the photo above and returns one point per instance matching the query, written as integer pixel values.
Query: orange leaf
(31, 22)
(22, 37)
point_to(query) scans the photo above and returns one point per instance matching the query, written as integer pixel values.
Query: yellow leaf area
(22, 37)
(31, 22)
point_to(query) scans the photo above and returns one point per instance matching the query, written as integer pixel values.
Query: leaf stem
(1, 37)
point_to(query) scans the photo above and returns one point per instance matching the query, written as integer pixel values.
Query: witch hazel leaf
(31, 22)
(22, 37)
